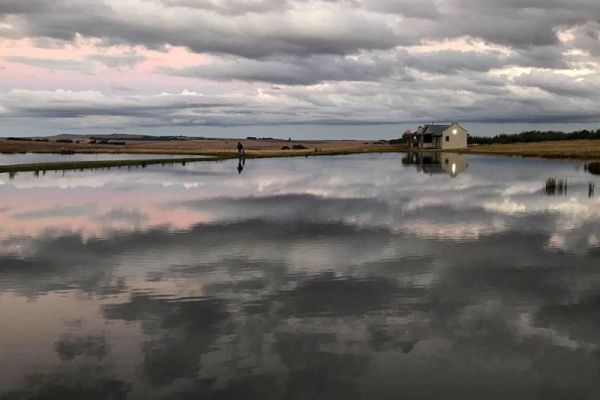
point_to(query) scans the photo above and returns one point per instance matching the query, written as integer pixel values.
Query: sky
(297, 68)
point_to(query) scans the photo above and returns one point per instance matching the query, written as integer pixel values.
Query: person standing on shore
(241, 157)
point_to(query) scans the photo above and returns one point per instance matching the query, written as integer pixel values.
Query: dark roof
(435, 130)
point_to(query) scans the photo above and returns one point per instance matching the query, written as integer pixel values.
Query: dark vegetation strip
(75, 165)
(535, 136)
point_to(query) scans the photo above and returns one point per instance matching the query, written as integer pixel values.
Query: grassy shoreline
(203, 157)
(584, 150)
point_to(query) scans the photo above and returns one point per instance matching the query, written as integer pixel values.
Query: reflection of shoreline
(431, 163)
(69, 165)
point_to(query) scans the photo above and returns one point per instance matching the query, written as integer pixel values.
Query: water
(33, 158)
(359, 277)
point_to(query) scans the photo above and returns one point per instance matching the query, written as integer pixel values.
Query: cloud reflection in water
(342, 277)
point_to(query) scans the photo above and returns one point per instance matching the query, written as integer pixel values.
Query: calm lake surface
(357, 277)
(33, 158)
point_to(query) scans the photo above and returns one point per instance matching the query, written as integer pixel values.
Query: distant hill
(106, 137)
(129, 137)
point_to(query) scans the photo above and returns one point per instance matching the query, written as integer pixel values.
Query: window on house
(447, 138)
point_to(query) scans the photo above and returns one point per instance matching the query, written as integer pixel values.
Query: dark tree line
(535, 136)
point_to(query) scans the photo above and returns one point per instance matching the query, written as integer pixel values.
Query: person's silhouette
(241, 164)
(241, 150)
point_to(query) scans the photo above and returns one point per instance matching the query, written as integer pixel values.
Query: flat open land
(226, 148)
(214, 147)
(568, 149)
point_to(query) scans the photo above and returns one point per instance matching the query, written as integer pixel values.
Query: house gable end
(433, 136)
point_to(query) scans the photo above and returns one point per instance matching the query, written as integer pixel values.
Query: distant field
(218, 147)
(226, 148)
(572, 149)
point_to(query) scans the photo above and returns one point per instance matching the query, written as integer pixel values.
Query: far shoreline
(199, 150)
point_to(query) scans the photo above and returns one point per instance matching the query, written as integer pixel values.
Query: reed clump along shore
(556, 186)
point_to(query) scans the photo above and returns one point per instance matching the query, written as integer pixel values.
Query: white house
(443, 137)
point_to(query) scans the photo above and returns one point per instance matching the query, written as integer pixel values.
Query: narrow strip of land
(214, 147)
(197, 150)
(220, 149)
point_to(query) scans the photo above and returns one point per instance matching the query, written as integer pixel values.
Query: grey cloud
(561, 84)
(233, 7)
(291, 71)
(118, 61)
(263, 27)
(448, 62)
(92, 104)
(521, 23)
(257, 35)
(587, 38)
(505, 29)
(360, 48)
(52, 64)
(427, 9)
(85, 66)
(120, 88)
(540, 57)
(25, 7)
(468, 96)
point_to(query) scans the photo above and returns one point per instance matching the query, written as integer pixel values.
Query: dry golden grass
(216, 147)
(568, 149)
(226, 148)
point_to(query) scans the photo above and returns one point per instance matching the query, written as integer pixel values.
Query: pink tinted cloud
(83, 72)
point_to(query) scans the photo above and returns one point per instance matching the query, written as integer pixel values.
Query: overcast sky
(329, 68)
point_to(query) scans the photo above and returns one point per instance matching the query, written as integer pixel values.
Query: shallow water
(35, 158)
(371, 276)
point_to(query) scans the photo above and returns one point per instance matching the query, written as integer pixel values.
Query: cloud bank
(244, 62)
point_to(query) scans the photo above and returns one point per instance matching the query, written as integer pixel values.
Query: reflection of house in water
(437, 162)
